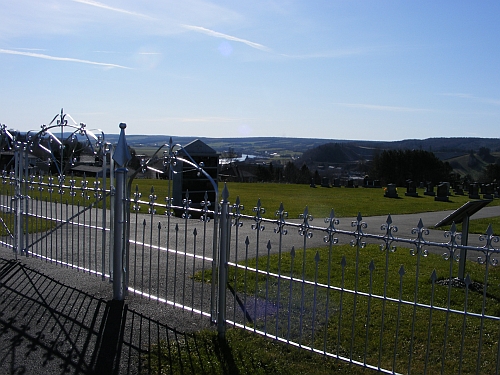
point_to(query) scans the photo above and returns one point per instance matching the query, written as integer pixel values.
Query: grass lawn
(479, 226)
(357, 327)
(346, 202)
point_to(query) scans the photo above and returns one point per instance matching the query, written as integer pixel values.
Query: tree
(491, 173)
(398, 166)
(290, 173)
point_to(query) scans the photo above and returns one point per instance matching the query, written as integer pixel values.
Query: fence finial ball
(122, 125)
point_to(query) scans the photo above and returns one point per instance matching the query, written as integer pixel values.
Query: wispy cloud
(472, 97)
(202, 119)
(31, 49)
(67, 59)
(217, 34)
(327, 54)
(107, 7)
(376, 107)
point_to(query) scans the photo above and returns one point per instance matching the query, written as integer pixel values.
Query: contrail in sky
(217, 34)
(377, 107)
(199, 29)
(104, 6)
(69, 59)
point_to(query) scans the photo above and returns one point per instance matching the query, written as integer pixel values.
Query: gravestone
(325, 182)
(367, 182)
(458, 190)
(350, 183)
(312, 184)
(489, 190)
(337, 183)
(376, 184)
(447, 187)
(411, 189)
(391, 191)
(187, 180)
(442, 192)
(429, 189)
(474, 191)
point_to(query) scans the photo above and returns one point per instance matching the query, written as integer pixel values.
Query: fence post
(18, 198)
(225, 224)
(120, 241)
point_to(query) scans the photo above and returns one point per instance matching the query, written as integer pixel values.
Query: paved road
(56, 320)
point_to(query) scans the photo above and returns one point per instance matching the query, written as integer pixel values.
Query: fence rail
(370, 296)
(375, 300)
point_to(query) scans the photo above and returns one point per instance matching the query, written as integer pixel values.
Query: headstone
(442, 192)
(325, 182)
(489, 190)
(474, 191)
(429, 189)
(337, 183)
(447, 187)
(350, 183)
(411, 189)
(312, 184)
(391, 191)
(458, 190)
(367, 182)
(376, 184)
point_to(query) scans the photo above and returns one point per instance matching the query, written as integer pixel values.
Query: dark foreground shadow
(47, 327)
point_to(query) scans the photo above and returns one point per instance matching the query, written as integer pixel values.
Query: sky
(333, 69)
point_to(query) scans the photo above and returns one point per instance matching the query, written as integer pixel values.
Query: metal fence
(363, 295)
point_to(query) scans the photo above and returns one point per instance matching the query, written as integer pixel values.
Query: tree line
(388, 166)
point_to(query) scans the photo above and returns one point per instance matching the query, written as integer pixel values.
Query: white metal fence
(368, 296)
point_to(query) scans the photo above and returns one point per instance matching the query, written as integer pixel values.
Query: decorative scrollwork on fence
(488, 249)
(454, 236)
(281, 221)
(259, 211)
(331, 230)
(186, 204)
(152, 201)
(359, 224)
(388, 237)
(205, 204)
(305, 227)
(420, 231)
(237, 207)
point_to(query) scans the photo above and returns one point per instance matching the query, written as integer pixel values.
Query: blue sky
(370, 70)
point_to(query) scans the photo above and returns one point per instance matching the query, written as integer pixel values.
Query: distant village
(331, 164)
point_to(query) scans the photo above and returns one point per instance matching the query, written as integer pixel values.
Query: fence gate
(49, 211)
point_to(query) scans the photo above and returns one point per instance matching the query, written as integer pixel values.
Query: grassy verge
(7, 227)
(240, 353)
(479, 226)
(362, 327)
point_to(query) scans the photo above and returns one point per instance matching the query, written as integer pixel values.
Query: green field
(243, 353)
(346, 202)
(346, 332)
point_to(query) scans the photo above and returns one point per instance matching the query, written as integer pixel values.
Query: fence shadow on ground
(49, 327)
